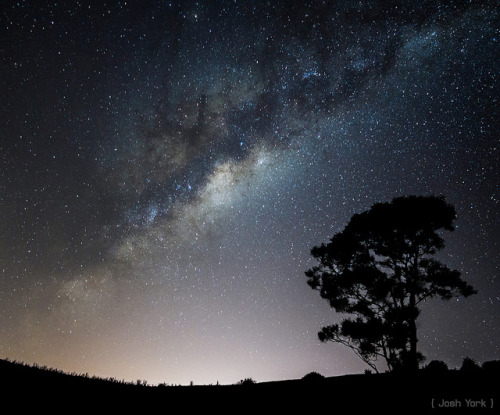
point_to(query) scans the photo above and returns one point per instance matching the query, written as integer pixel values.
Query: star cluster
(167, 167)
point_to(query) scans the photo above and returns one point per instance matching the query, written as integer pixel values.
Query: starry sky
(166, 168)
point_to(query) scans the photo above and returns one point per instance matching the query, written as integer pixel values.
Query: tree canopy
(379, 270)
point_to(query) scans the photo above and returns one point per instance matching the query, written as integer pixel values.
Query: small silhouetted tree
(379, 270)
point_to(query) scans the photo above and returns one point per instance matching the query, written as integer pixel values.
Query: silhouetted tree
(246, 382)
(380, 269)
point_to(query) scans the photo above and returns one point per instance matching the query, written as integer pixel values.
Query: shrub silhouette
(469, 365)
(313, 377)
(492, 367)
(436, 366)
(246, 382)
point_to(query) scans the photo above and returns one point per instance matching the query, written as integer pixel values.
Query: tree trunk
(412, 364)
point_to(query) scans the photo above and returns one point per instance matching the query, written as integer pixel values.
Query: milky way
(167, 167)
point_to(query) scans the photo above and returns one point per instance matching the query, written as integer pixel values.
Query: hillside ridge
(425, 390)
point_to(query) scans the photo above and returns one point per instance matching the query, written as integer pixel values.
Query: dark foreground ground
(28, 389)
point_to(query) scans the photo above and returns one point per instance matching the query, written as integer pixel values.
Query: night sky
(166, 168)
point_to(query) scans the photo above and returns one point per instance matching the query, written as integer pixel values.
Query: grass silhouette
(33, 387)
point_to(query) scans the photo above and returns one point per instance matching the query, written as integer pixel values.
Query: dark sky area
(166, 168)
